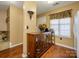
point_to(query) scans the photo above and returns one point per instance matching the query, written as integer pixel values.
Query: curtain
(60, 15)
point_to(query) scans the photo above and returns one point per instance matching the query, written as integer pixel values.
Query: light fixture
(30, 13)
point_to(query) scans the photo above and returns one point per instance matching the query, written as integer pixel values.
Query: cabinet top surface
(35, 33)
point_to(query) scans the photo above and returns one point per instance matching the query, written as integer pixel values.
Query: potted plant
(42, 27)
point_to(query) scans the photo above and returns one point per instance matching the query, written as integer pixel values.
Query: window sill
(64, 37)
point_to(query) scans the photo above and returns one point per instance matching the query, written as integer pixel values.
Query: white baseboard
(24, 55)
(11, 46)
(65, 46)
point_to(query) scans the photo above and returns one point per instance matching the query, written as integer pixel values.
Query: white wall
(76, 32)
(3, 24)
(31, 23)
(41, 20)
(3, 27)
(16, 25)
(78, 37)
(4, 45)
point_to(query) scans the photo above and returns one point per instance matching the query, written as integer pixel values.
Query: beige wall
(4, 45)
(3, 27)
(3, 16)
(16, 25)
(40, 20)
(65, 41)
(28, 6)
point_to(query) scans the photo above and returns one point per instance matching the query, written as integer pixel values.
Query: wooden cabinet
(31, 45)
(38, 44)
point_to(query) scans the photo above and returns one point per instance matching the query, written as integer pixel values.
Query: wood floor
(15, 52)
(53, 52)
(59, 52)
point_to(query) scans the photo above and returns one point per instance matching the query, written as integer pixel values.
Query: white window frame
(59, 28)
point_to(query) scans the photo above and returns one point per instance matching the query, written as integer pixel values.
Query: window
(65, 27)
(61, 27)
(54, 25)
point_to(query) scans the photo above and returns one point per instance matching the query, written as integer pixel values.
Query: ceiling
(44, 6)
(5, 4)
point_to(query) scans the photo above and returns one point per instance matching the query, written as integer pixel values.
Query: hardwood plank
(53, 52)
(59, 52)
(15, 52)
